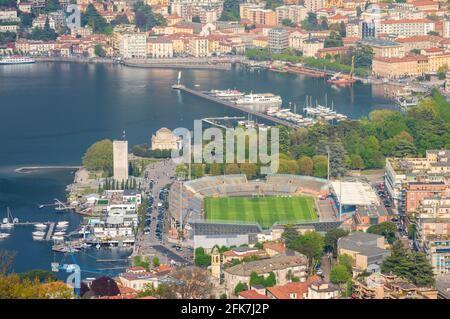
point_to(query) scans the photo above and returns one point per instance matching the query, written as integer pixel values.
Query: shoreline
(30, 169)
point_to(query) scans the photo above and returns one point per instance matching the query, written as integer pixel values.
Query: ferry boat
(227, 94)
(16, 59)
(262, 99)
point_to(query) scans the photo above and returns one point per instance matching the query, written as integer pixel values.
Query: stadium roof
(220, 229)
(354, 193)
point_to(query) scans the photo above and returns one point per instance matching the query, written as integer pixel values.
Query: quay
(183, 88)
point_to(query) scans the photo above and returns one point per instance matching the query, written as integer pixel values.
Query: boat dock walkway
(183, 88)
(49, 234)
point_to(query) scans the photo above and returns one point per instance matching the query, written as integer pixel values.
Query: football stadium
(277, 199)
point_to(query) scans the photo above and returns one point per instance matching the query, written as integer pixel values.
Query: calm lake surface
(51, 112)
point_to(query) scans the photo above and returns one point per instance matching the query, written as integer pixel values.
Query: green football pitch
(265, 210)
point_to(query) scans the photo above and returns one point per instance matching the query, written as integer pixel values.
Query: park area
(265, 210)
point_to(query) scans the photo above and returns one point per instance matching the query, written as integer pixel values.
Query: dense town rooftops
(363, 243)
(267, 265)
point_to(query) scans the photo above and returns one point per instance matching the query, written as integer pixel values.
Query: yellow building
(260, 42)
(160, 48)
(198, 47)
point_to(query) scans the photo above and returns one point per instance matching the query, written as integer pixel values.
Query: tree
(320, 166)
(331, 238)
(201, 259)
(240, 287)
(164, 291)
(99, 156)
(386, 229)
(357, 162)
(230, 10)
(305, 165)
(339, 275)
(347, 261)
(310, 244)
(411, 266)
(99, 51)
(156, 262)
(363, 56)
(287, 23)
(145, 18)
(333, 40)
(45, 34)
(248, 169)
(120, 19)
(92, 18)
(232, 168)
(289, 234)
(104, 286)
(38, 275)
(342, 30)
(195, 283)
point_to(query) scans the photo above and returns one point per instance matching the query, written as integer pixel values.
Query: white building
(120, 160)
(406, 28)
(133, 45)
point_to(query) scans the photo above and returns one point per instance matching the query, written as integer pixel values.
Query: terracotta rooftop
(278, 247)
(252, 294)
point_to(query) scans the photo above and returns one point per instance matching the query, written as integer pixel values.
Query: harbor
(268, 106)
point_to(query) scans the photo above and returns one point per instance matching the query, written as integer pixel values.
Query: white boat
(262, 99)
(8, 222)
(16, 59)
(59, 233)
(58, 238)
(63, 223)
(4, 236)
(40, 226)
(227, 94)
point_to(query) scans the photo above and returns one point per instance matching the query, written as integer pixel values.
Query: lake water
(51, 112)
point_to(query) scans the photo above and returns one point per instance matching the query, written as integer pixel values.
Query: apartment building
(384, 48)
(133, 45)
(434, 167)
(406, 27)
(278, 40)
(314, 5)
(198, 47)
(159, 48)
(294, 13)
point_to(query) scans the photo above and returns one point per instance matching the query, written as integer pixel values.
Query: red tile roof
(252, 294)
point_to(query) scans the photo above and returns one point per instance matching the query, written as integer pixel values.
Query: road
(161, 173)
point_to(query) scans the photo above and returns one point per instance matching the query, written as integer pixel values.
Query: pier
(49, 234)
(183, 88)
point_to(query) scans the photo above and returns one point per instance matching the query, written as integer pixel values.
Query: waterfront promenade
(211, 63)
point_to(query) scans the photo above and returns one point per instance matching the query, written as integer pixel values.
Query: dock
(205, 96)
(49, 234)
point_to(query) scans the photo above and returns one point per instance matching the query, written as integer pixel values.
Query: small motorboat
(40, 226)
(4, 236)
(58, 238)
(59, 233)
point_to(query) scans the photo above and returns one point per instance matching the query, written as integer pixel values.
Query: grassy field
(264, 210)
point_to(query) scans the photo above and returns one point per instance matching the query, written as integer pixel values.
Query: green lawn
(265, 210)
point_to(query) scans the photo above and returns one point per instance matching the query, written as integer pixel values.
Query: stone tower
(216, 263)
(120, 159)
